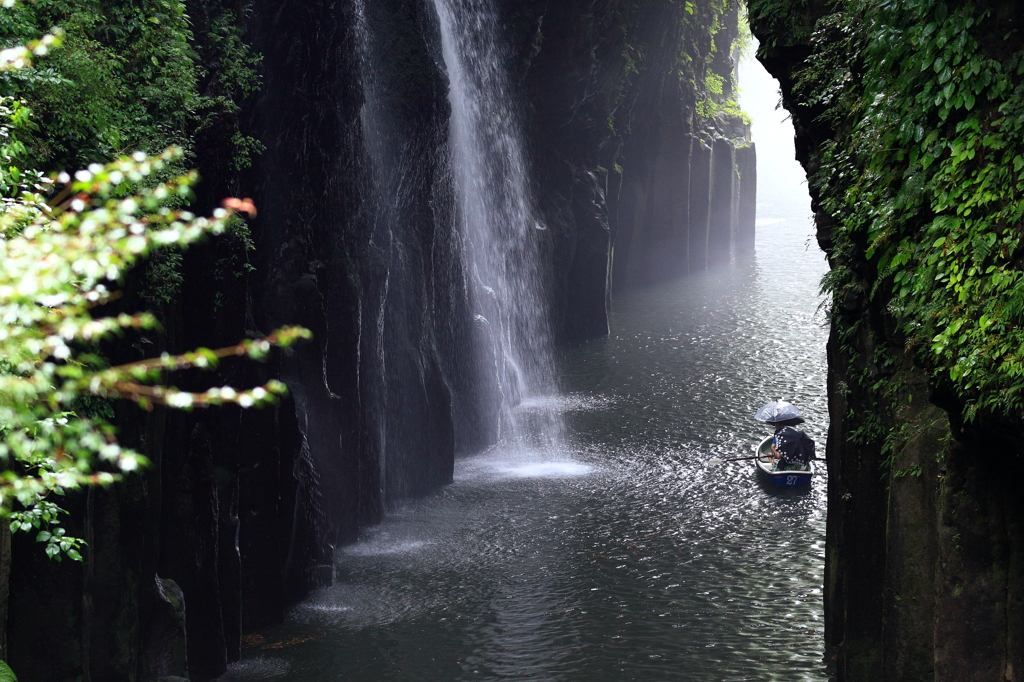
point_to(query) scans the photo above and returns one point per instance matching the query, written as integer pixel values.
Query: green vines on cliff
(782, 22)
(140, 76)
(129, 77)
(718, 90)
(925, 182)
(226, 70)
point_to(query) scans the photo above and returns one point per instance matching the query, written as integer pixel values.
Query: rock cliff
(923, 561)
(644, 165)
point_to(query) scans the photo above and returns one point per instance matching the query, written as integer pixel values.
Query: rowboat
(784, 479)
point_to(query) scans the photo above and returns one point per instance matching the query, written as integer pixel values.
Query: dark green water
(627, 555)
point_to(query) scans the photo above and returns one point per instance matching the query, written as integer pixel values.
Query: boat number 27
(790, 480)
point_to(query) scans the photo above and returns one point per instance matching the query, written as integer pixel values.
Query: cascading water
(638, 560)
(497, 219)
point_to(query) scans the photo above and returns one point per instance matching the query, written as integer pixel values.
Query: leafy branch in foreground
(60, 258)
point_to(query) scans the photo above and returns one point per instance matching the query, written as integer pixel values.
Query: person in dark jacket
(791, 448)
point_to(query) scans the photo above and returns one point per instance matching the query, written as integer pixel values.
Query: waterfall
(499, 224)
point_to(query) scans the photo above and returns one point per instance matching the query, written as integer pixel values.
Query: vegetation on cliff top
(711, 34)
(128, 77)
(924, 178)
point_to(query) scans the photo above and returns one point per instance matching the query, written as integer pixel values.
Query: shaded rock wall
(924, 571)
(364, 256)
(687, 193)
(625, 172)
(228, 511)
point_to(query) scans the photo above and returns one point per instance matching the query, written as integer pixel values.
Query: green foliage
(237, 242)
(123, 80)
(43, 516)
(744, 42)
(903, 86)
(129, 76)
(715, 101)
(226, 72)
(6, 674)
(163, 279)
(60, 257)
(914, 470)
(714, 83)
(709, 109)
(699, 23)
(926, 181)
(779, 22)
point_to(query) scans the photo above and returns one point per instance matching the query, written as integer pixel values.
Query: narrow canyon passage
(626, 555)
(422, 340)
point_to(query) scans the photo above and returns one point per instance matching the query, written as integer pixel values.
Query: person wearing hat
(792, 449)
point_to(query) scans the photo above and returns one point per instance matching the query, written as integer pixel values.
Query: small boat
(784, 479)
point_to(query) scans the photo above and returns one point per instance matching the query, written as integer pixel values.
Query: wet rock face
(224, 528)
(165, 648)
(356, 240)
(924, 566)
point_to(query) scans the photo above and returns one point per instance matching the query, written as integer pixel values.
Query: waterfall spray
(498, 221)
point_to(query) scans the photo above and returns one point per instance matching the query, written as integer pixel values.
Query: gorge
(522, 233)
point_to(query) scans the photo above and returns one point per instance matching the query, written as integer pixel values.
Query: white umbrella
(778, 411)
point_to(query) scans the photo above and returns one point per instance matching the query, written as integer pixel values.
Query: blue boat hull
(782, 479)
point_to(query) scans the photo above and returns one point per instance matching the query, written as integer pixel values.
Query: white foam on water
(577, 402)
(540, 402)
(497, 464)
(378, 548)
(326, 608)
(547, 470)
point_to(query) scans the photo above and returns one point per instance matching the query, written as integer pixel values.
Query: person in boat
(792, 449)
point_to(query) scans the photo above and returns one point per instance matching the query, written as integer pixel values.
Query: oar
(732, 459)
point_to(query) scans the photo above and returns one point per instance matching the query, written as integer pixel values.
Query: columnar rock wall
(627, 151)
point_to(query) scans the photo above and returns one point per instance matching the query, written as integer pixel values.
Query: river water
(628, 555)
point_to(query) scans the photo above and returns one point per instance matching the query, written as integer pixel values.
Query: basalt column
(622, 138)
(745, 198)
(355, 240)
